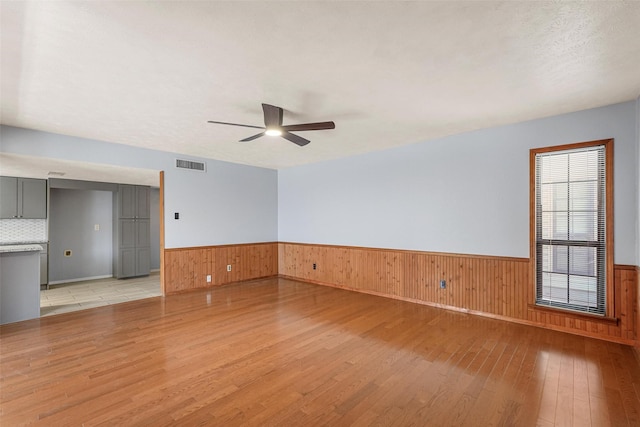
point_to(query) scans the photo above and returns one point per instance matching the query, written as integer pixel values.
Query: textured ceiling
(151, 74)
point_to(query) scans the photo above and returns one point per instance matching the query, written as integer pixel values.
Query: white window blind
(570, 229)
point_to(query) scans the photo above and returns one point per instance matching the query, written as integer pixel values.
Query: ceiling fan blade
(272, 115)
(310, 126)
(235, 124)
(295, 139)
(251, 138)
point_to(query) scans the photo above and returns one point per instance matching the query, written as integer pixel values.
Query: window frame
(609, 273)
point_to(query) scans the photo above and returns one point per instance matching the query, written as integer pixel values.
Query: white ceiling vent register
(188, 164)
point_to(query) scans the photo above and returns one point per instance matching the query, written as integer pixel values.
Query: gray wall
(73, 215)
(228, 204)
(467, 193)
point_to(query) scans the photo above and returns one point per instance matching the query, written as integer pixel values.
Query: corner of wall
(637, 346)
(638, 182)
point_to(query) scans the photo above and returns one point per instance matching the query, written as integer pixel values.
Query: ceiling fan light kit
(273, 132)
(273, 126)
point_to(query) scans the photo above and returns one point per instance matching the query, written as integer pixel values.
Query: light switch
(96, 227)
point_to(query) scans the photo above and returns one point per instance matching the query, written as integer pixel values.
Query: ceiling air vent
(188, 164)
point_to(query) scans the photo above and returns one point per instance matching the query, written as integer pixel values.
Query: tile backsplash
(23, 230)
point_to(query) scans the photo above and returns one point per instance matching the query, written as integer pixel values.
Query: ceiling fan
(273, 126)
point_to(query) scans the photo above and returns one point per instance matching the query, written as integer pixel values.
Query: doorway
(81, 249)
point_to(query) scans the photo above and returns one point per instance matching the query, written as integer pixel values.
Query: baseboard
(212, 287)
(81, 279)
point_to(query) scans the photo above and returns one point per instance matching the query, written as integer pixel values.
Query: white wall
(466, 193)
(228, 204)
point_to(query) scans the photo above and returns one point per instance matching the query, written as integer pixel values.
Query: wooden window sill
(575, 314)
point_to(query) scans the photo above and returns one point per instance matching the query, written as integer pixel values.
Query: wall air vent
(188, 164)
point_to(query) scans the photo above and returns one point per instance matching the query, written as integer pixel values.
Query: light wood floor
(74, 296)
(284, 353)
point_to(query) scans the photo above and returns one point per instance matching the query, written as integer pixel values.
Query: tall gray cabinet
(131, 231)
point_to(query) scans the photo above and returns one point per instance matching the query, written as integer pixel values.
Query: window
(571, 230)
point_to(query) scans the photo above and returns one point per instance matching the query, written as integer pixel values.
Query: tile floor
(66, 297)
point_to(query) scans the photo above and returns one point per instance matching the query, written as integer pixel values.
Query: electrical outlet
(228, 267)
(443, 284)
(68, 252)
(314, 265)
(96, 227)
(208, 278)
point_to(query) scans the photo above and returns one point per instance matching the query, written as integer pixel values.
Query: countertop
(24, 242)
(20, 248)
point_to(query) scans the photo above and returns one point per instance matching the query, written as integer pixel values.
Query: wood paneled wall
(187, 268)
(637, 347)
(498, 287)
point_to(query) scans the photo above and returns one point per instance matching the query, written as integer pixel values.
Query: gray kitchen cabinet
(133, 201)
(132, 232)
(8, 197)
(143, 202)
(134, 262)
(143, 260)
(19, 288)
(126, 201)
(143, 233)
(127, 263)
(23, 198)
(127, 231)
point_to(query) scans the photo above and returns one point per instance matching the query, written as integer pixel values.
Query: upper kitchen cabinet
(134, 201)
(23, 198)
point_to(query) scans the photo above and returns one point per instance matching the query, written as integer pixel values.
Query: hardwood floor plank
(282, 352)
(626, 378)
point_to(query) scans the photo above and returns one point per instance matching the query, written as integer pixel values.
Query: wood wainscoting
(637, 346)
(186, 269)
(498, 287)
